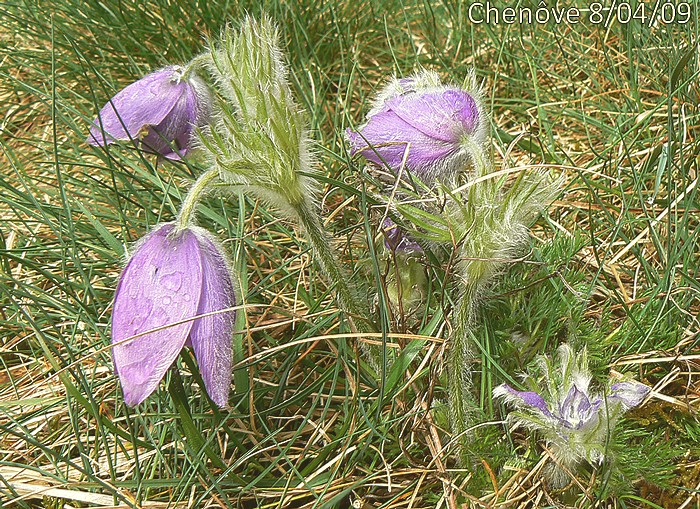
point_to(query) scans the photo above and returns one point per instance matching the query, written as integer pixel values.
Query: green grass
(613, 265)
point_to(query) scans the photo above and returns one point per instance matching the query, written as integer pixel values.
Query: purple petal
(583, 405)
(212, 335)
(575, 402)
(387, 138)
(422, 128)
(590, 419)
(630, 394)
(147, 102)
(160, 110)
(444, 115)
(527, 398)
(174, 130)
(177, 127)
(577, 410)
(161, 285)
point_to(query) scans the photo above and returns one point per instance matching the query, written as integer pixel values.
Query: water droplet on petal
(172, 281)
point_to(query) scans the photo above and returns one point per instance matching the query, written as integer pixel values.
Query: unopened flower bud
(398, 240)
(260, 139)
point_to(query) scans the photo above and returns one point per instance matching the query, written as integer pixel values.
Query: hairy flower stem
(196, 193)
(194, 65)
(476, 269)
(348, 297)
(460, 363)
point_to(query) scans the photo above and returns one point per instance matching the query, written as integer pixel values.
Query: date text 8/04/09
(597, 13)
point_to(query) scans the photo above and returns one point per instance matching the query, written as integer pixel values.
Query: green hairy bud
(491, 217)
(259, 138)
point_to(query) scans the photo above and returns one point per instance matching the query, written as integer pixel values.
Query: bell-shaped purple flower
(421, 127)
(176, 290)
(160, 111)
(628, 394)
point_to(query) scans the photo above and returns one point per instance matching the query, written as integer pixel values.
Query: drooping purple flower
(175, 290)
(575, 422)
(160, 111)
(421, 127)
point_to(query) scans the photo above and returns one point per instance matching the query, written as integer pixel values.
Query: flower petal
(161, 285)
(398, 240)
(147, 102)
(211, 336)
(575, 405)
(522, 398)
(444, 115)
(177, 126)
(630, 394)
(388, 139)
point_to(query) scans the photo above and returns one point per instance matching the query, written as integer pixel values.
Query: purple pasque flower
(422, 124)
(577, 411)
(575, 421)
(160, 110)
(175, 290)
